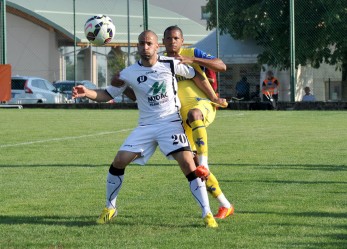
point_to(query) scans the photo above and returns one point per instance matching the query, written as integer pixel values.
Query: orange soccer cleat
(224, 212)
(202, 172)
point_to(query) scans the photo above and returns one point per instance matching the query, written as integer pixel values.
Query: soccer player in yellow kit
(198, 110)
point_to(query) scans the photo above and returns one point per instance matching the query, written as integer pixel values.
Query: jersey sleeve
(115, 91)
(201, 54)
(184, 70)
(118, 90)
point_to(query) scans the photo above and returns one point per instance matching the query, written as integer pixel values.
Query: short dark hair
(174, 27)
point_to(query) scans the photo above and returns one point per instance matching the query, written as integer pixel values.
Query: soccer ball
(99, 30)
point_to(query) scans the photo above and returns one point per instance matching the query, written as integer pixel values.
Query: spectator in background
(242, 89)
(270, 87)
(308, 96)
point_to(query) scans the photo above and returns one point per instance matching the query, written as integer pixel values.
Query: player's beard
(146, 57)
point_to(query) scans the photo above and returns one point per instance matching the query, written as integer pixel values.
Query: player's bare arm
(98, 95)
(205, 86)
(129, 92)
(215, 64)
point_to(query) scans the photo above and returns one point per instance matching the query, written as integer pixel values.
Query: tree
(320, 29)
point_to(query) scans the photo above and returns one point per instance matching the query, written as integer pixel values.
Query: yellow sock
(200, 137)
(212, 186)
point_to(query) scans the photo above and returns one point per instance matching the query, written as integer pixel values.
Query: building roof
(231, 51)
(58, 15)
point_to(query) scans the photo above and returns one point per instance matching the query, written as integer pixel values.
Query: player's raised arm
(214, 64)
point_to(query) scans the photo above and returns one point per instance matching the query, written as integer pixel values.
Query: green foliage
(320, 28)
(116, 60)
(285, 172)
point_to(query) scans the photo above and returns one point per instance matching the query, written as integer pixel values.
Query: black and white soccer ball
(99, 30)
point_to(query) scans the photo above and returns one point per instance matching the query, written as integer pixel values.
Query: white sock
(203, 160)
(113, 185)
(198, 189)
(223, 201)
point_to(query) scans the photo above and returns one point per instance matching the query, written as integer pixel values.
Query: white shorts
(144, 139)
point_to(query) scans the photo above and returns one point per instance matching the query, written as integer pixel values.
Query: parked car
(66, 88)
(32, 90)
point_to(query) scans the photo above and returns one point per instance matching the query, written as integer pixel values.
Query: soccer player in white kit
(153, 81)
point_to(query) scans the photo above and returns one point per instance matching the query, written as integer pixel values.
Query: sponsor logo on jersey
(154, 71)
(158, 94)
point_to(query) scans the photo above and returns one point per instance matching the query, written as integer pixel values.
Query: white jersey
(156, 89)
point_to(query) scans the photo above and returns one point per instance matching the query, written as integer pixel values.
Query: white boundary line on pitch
(223, 115)
(63, 138)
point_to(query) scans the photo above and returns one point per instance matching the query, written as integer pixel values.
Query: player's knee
(121, 161)
(195, 114)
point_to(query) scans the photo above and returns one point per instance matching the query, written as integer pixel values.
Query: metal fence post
(292, 51)
(3, 41)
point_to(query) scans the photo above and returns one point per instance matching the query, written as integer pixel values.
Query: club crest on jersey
(141, 79)
(158, 93)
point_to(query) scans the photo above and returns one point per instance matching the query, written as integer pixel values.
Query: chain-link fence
(46, 39)
(260, 37)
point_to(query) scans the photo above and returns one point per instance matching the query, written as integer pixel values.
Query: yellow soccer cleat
(106, 215)
(224, 212)
(210, 221)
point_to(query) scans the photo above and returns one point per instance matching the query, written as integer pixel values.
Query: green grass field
(285, 172)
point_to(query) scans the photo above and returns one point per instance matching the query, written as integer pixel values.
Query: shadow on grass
(89, 221)
(301, 214)
(52, 165)
(315, 245)
(281, 181)
(48, 220)
(320, 167)
(336, 239)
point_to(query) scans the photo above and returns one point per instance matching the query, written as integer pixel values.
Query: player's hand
(184, 59)
(78, 91)
(221, 102)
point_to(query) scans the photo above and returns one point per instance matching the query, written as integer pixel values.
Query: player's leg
(198, 123)
(114, 183)
(199, 134)
(197, 187)
(142, 149)
(174, 144)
